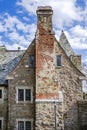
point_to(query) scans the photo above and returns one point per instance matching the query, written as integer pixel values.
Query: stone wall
(23, 76)
(4, 107)
(46, 87)
(46, 80)
(71, 86)
(82, 108)
(76, 60)
(46, 118)
(71, 118)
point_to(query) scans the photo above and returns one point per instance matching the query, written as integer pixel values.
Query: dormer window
(58, 60)
(31, 61)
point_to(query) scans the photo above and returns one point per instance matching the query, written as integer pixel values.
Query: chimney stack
(44, 15)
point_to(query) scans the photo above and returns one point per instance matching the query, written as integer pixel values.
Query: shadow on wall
(71, 118)
(76, 117)
(83, 127)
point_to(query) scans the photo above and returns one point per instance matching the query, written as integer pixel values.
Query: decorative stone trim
(48, 100)
(9, 77)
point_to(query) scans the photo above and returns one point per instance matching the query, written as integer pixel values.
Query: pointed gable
(65, 44)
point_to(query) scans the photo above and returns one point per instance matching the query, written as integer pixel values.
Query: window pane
(20, 125)
(20, 95)
(0, 124)
(31, 61)
(28, 94)
(28, 125)
(0, 93)
(58, 60)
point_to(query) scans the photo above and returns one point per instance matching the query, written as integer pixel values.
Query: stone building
(40, 88)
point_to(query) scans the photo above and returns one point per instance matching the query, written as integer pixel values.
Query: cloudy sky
(18, 22)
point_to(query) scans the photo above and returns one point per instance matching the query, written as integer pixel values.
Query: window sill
(24, 102)
(58, 67)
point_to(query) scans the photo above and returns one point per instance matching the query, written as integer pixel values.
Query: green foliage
(84, 95)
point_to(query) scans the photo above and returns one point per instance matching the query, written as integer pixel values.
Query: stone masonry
(56, 96)
(46, 87)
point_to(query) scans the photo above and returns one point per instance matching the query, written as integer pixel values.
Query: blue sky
(18, 22)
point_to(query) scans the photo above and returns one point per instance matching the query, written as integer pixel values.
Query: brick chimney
(44, 15)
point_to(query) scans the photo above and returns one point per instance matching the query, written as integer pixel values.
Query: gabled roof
(8, 55)
(64, 43)
(8, 61)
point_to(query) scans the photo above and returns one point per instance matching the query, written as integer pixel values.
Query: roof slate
(64, 43)
(5, 69)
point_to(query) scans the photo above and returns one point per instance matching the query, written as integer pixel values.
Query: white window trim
(24, 87)
(24, 120)
(1, 88)
(1, 118)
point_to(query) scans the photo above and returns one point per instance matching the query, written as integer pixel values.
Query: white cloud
(77, 37)
(14, 46)
(65, 11)
(11, 26)
(85, 60)
(66, 14)
(79, 31)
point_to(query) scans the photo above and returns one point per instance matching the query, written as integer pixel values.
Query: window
(0, 93)
(58, 59)
(24, 94)
(28, 125)
(21, 125)
(24, 125)
(31, 61)
(1, 123)
(27, 94)
(21, 95)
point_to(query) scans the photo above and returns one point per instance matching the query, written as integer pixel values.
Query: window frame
(24, 120)
(0, 93)
(2, 89)
(30, 58)
(24, 90)
(1, 118)
(60, 62)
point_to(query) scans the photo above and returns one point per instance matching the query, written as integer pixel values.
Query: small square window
(58, 59)
(0, 93)
(31, 61)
